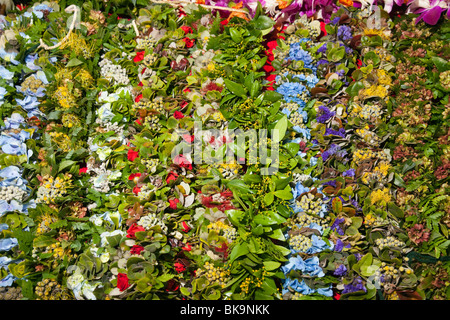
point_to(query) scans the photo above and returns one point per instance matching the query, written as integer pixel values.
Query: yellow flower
(380, 196)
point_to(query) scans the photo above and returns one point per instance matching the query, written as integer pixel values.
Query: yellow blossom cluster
(380, 196)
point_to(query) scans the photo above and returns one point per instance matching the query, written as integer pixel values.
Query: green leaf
(235, 35)
(239, 250)
(263, 23)
(271, 265)
(281, 126)
(277, 234)
(74, 62)
(268, 198)
(441, 64)
(285, 194)
(235, 88)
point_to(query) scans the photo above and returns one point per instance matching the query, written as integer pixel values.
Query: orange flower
(282, 4)
(347, 3)
(237, 14)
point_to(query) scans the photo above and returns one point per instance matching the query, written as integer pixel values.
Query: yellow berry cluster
(50, 289)
(216, 275)
(310, 204)
(389, 242)
(227, 231)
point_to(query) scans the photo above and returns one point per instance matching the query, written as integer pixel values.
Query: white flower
(115, 175)
(104, 257)
(96, 219)
(103, 153)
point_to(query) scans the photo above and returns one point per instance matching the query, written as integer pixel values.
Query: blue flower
(318, 245)
(8, 243)
(5, 73)
(3, 91)
(30, 103)
(30, 59)
(344, 32)
(304, 131)
(297, 53)
(7, 281)
(13, 122)
(9, 56)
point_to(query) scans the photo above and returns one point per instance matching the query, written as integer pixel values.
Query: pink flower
(430, 10)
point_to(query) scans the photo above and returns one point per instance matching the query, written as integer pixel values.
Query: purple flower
(340, 132)
(344, 32)
(340, 271)
(333, 149)
(430, 10)
(325, 114)
(349, 173)
(336, 226)
(356, 285)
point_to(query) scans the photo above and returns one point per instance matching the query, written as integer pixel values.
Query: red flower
(172, 176)
(136, 249)
(182, 162)
(358, 63)
(189, 42)
(122, 281)
(178, 115)
(139, 56)
(223, 248)
(82, 170)
(227, 194)
(179, 267)
(268, 68)
(187, 247)
(173, 203)
(186, 29)
(139, 121)
(272, 44)
(139, 97)
(322, 28)
(224, 22)
(133, 176)
(172, 285)
(185, 226)
(188, 138)
(183, 104)
(133, 229)
(136, 190)
(132, 154)
(337, 296)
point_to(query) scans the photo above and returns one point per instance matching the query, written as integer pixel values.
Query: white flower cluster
(152, 220)
(113, 72)
(101, 180)
(310, 205)
(300, 243)
(300, 177)
(12, 193)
